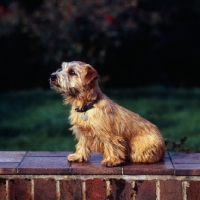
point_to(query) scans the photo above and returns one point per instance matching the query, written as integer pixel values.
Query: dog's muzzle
(53, 77)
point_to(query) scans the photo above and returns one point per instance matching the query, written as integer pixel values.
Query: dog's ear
(91, 75)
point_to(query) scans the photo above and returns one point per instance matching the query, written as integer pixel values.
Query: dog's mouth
(53, 84)
(70, 91)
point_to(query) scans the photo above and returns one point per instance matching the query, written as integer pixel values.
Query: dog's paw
(75, 158)
(111, 163)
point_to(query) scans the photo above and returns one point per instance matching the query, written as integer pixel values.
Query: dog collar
(87, 107)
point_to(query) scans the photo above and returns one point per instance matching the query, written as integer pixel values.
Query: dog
(101, 125)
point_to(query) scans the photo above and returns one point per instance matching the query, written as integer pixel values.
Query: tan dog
(100, 125)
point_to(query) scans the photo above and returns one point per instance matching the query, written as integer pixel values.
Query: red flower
(110, 19)
(2, 9)
(68, 6)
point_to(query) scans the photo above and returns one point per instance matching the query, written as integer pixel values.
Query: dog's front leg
(81, 154)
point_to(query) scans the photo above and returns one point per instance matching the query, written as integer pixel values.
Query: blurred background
(147, 53)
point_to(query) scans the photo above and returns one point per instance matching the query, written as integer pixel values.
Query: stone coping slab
(56, 163)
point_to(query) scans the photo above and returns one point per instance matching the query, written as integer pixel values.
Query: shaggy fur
(118, 134)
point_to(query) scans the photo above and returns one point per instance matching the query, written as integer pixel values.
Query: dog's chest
(81, 119)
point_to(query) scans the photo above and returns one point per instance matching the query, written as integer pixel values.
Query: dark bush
(131, 43)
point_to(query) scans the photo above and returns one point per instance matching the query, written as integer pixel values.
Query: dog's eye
(72, 73)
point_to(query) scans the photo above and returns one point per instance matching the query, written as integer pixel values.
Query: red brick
(164, 167)
(8, 168)
(47, 153)
(185, 158)
(193, 191)
(44, 189)
(44, 165)
(145, 190)
(171, 190)
(95, 189)
(70, 189)
(187, 169)
(120, 190)
(2, 189)
(11, 156)
(93, 166)
(19, 189)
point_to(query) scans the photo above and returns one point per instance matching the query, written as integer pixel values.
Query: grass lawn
(37, 119)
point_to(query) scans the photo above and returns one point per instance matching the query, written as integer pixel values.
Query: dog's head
(73, 78)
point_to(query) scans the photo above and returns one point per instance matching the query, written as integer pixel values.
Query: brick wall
(48, 175)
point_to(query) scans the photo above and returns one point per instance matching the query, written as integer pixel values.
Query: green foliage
(37, 119)
(175, 111)
(176, 146)
(34, 120)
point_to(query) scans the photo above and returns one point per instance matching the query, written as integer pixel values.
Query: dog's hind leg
(146, 150)
(114, 153)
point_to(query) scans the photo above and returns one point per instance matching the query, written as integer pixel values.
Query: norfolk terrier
(101, 125)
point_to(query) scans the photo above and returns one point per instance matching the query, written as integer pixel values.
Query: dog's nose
(53, 77)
